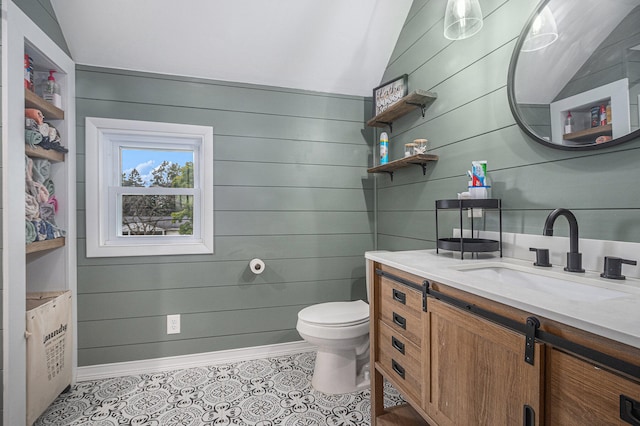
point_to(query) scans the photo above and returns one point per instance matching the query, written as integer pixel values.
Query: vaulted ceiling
(335, 46)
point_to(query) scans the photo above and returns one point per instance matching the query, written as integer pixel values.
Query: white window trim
(101, 136)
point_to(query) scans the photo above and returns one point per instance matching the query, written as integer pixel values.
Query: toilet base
(338, 372)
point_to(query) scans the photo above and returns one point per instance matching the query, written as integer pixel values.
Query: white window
(149, 188)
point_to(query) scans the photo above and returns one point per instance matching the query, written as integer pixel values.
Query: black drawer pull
(397, 345)
(629, 410)
(399, 296)
(397, 368)
(399, 320)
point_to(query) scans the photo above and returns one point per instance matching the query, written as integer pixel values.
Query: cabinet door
(580, 393)
(478, 372)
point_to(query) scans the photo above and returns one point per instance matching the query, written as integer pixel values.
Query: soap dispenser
(51, 92)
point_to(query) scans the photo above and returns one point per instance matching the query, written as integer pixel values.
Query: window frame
(105, 137)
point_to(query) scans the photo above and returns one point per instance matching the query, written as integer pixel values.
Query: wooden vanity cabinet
(478, 372)
(582, 393)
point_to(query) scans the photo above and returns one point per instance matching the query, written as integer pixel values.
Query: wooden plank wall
(471, 120)
(291, 187)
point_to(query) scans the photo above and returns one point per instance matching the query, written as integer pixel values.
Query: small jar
(409, 149)
(421, 146)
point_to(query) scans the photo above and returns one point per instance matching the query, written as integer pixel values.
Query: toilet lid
(334, 314)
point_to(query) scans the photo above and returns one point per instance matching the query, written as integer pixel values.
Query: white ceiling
(335, 46)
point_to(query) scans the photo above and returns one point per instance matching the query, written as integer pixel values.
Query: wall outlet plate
(173, 324)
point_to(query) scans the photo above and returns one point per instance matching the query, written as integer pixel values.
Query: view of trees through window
(157, 211)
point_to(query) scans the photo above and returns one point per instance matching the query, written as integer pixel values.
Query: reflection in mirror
(574, 78)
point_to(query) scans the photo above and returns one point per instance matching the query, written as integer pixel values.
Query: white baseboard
(118, 369)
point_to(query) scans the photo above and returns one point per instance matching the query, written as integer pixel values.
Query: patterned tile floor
(262, 392)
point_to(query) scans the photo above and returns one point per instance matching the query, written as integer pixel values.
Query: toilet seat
(336, 314)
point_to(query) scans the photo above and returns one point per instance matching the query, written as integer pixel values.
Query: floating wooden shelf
(45, 245)
(417, 99)
(589, 135)
(418, 159)
(47, 154)
(51, 112)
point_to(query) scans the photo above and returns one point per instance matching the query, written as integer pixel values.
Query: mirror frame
(513, 105)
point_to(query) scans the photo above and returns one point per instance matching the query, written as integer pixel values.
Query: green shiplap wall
(471, 120)
(291, 187)
(41, 12)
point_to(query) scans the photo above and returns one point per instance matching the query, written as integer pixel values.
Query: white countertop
(616, 315)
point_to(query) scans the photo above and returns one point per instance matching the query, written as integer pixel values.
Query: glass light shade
(462, 19)
(543, 32)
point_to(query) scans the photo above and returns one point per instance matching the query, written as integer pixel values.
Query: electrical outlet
(173, 324)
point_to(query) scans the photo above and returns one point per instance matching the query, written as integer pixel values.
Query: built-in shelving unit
(418, 159)
(469, 244)
(589, 135)
(414, 100)
(43, 266)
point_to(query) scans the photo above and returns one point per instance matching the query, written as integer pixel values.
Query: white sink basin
(551, 283)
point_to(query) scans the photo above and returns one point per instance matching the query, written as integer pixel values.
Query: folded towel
(42, 195)
(50, 187)
(54, 202)
(31, 207)
(41, 170)
(30, 231)
(31, 124)
(47, 212)
(34, 114)
(32, 137)
(44, 129)
(41, 229)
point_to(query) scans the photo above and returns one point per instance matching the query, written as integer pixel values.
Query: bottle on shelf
(603, 115)
(568, 124)
(609, 112)
(51, 91)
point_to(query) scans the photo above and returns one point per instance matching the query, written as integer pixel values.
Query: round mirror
(574, 77)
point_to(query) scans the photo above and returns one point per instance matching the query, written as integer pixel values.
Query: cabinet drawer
(402, 318)
(396, 346)
(401, 296)
(405, 369)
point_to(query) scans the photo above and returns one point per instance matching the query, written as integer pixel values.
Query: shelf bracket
(424, 168)
(389, 124)
(390, 175)
(423, 107)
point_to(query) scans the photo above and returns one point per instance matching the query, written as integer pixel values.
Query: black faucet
(574, 259)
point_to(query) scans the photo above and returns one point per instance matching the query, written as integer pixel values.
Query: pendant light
(462, 19)
(543, 32)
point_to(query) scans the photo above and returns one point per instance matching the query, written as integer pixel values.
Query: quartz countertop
(616, 316)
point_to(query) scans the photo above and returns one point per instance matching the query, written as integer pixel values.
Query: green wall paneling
(105, 355)
(137, 277)
(41, 12)
(266, 247)
(152, 329)
(235, 297)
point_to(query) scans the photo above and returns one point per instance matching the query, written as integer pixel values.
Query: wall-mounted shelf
(47, 154)
(418, 159)
(44, 245)
(417, 99)
(50, 112)
(589, 135)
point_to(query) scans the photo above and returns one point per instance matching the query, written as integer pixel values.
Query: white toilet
(340, 330)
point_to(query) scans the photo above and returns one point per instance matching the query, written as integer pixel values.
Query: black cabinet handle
(397, 345)
(400, 321)
(399, 296)
(529, 416)
(629, 410)
(397, 368)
